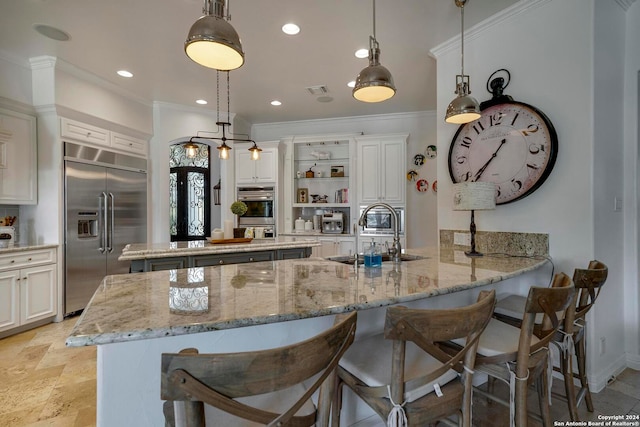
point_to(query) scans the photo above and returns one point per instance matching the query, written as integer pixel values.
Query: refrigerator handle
(102, 221)
(111, 224)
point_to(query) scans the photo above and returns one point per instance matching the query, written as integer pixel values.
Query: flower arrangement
(238, 208)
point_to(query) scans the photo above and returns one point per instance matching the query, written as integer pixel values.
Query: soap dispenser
(373, 255)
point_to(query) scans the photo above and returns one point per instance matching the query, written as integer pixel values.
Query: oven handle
(257, 198)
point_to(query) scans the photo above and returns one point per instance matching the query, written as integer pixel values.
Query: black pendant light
(212, 41)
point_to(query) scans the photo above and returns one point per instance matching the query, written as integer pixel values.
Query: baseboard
(633, 361)
(600, 380)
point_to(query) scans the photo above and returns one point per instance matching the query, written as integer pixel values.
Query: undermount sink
(350, 259)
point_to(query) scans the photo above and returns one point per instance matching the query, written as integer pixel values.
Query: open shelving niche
(322, 155)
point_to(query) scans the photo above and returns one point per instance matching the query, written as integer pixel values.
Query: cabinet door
(328, 247)
(9, 300)
(128, 143)
(346, 246)
(368, 172)
(245, 167)
(84, 132)
(37, 293)
(266, 167)
(392, 165)
(18, 154)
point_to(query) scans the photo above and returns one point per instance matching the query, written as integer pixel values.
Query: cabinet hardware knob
(24, 278)
(13, 261)
(221, 262)
(251, 259)
(29, 259)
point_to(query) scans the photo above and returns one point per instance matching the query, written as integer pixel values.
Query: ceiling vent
(317, 90)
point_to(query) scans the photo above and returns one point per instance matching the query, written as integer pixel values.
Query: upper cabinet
(381, 163)
(84, 132)
(263, 170)
(18, 159)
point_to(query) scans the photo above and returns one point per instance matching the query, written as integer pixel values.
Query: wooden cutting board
(228, 241)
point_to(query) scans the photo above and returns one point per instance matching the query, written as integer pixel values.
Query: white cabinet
(83, 132)
(334, 245)
(18, 159)
(128, 143)
(28, 287)
(256, 171)
(382, 241)
(381, 164)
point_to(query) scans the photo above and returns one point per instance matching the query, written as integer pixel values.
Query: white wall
(631, 196)
(420, 126)
(15, 83)
(174, 122)
(553, 66)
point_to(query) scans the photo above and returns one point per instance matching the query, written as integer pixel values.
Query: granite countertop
(176, 302)
(22, 247)
(201, 247)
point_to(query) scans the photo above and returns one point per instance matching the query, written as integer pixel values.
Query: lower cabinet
(334, 245)
(174, 263)
(27, 294)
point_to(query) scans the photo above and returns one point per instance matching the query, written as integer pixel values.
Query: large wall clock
(512, 144)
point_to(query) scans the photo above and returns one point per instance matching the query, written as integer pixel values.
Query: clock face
(512, 144)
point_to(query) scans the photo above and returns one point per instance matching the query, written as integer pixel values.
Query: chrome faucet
(396, 249)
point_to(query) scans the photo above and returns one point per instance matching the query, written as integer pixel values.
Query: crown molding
(523, 6)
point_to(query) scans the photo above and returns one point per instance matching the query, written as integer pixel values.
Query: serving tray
(227, 241)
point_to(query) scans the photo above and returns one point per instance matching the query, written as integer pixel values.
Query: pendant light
(212, 41)
(223, 149)
(464, 108)
(191, 149)
(374, 83)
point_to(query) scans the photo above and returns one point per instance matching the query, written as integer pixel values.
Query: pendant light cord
(374, 19)
(462, 37)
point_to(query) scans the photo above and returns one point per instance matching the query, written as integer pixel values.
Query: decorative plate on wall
(422, 185)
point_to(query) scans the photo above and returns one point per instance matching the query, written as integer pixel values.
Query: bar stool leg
(582, 372)
(566, 366)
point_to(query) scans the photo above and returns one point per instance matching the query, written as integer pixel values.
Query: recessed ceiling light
(291, 29)
(125, 73)
(352, 83)
(201, 101)
(362, 53)
(52, 32)
(275, 102)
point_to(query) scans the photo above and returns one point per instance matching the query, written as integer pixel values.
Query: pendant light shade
(255, 151)
(212, 41)
(374, 83)
(464, 108)
(191, 149)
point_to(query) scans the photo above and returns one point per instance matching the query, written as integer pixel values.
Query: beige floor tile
(20, 418)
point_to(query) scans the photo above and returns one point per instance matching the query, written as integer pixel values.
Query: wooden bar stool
(518, 357)
(403, 374)
(570, 339)
(256, 387)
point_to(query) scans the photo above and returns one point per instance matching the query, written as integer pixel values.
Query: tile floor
(44, 383)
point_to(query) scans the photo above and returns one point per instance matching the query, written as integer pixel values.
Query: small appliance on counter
(7, 237)
(332, 223)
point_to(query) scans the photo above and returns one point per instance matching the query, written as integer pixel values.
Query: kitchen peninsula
(134, 318)
(175, 255)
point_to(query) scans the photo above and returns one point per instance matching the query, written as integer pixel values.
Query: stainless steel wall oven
(260, 202)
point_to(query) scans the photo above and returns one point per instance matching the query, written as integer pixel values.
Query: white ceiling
(146, 37)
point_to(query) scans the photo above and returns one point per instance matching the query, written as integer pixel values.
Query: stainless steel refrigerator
(106, 208)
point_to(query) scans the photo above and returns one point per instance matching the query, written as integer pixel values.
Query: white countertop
(202, 247)
(158, 304)
(22, 247)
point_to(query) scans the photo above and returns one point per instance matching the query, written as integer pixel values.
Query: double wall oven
(261, 208)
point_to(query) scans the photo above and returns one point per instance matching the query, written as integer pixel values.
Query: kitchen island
(134, 318)
(175, 255)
